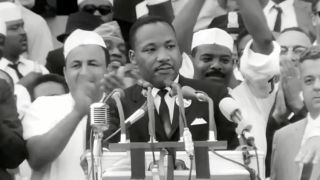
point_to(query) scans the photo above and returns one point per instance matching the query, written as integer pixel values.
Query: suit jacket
(139, 131)
(12, 145)
(286, 145)
(55, 61)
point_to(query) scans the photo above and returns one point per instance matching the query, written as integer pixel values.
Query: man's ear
(64, 73)
(132, 57)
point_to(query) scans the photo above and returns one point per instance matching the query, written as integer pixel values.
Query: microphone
(186, 134)
(117, 94)
(231, 110)
(138, 114)
(190, 93)
(99, 113)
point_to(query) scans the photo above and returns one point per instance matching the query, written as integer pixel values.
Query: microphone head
(188, 92)
(99, 113)
(118, 93)
(228, 106)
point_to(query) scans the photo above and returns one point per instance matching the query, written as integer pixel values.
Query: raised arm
(256, 24)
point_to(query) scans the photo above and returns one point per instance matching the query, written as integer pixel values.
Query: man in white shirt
(293, 138)
(16, 43)
(55, 126)
(293, 13)
(259, 64)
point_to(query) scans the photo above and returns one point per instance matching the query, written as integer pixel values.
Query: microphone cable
(257, 161)
(191, 167)
(250, 170)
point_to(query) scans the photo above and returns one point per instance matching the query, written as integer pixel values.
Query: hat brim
(62, 37)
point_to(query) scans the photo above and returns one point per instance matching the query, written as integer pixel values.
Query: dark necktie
(164, 112)
(277, 25)
(14, 66)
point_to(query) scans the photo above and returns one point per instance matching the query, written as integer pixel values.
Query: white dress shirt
(312, 128)
(288, 16)
(169, 100)
(43, 115)
(25, 66)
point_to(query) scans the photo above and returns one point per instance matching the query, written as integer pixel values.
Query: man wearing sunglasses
(101, 8)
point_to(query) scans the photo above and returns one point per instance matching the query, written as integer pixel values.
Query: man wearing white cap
(102, 8)
(16, 43)
(111, 34)
(55, 127)
(212, 55)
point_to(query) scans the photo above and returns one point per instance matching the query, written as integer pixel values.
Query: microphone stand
(123, 136)
(151, 127)
(97, 154)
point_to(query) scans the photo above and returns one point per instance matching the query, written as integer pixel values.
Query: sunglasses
(103, 9)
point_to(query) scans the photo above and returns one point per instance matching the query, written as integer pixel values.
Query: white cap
(81, 1)
(212, 36)
(80, 37)
(9, 11)
(3, 27)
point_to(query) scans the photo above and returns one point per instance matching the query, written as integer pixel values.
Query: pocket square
(198, 121)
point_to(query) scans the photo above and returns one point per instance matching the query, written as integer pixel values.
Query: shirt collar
(6, 62)
(285, 4)
(155, 90)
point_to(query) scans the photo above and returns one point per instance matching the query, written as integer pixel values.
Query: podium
(117, 164)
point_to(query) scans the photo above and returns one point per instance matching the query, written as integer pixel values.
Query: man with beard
(156, 53)
(16, 43)
(212, 57)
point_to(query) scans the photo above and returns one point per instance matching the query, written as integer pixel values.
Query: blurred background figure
(100, 8)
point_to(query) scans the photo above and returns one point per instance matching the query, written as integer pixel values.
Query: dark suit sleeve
(12, 145)
(164, 10)
(114, 123)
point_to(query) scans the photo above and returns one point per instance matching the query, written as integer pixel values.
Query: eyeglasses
(298, 50)
(103, 9)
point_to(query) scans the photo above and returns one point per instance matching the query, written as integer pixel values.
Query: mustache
(163, 65)
(215, 73)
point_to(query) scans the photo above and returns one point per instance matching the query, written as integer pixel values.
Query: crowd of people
(263, 54)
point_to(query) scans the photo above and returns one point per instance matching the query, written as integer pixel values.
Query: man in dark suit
(12, 145)
(155, 51)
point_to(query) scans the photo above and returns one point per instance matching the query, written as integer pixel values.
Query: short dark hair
(144, 20)
(309, 34)
(312, 53)
(47, 78)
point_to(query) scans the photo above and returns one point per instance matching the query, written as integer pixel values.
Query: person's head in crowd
(293, 41)
(3, 32)
(316, 18)
(310, 78)
(86, 61)
(228, 5)
(243, 38)
(47, 85)
(155, 50)
(16, 38)
(101, 8)
(79, 20)
(212, 55)
(233, 24)
(111, 34)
